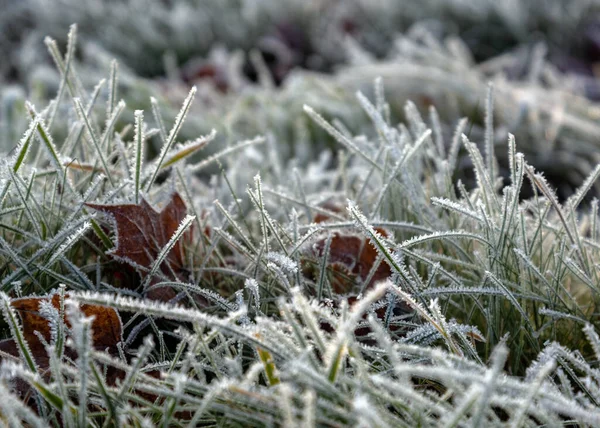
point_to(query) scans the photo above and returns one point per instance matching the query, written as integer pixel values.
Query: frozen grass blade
(172, 135)
(323, 282)
(225, 152)
(136, 166)
(576, 199)
(71, 42)
(341, 138)
(484, 180)
(93, 139)
(22, 150)
(46, 139)
(15, 412)
(392, 176)
(17, 333)
(183, 227)
(489, 132)
(186, 150)
(518, 417)
(113, 88)
(491, 378)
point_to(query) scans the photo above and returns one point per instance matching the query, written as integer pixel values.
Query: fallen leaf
(351, 255)
(106, 326)
(141, 234)
(106, 334)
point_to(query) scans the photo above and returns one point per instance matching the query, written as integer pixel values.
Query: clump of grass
(489, 314)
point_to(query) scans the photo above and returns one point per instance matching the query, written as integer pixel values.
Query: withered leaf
(142, 232)
(106, 326)
(106, 334)
(350, 255)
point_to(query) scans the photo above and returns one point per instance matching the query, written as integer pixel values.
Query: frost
(284, 262)
(252, 286)
(69, 242)
(50, 313)
(257, 331)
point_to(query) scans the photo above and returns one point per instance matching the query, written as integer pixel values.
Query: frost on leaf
(39, 330)
(107, 328)
(142, 232)
(350, 257)
(353, 266)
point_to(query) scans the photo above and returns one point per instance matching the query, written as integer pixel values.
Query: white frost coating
(92, 187)
(284, 262)
(14, 411)
(235, 225)
(366, 413)
(183, 226)
(239, 301)
(138, 158)
(173, 134)
(47, 142)
(254, 289)
(69, 242)
(20, 155)
(455, 206)
(183, 150)
(50, 313)
(231, 149)
(442, 235)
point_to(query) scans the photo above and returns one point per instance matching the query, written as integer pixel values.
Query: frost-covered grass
(495, 294)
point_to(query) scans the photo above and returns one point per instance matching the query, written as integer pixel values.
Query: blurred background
(256, 62)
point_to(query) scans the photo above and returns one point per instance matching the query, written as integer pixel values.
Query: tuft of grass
(489, 314)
